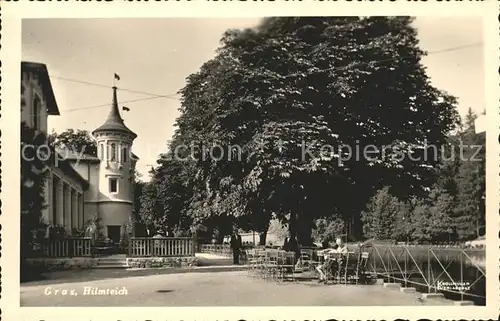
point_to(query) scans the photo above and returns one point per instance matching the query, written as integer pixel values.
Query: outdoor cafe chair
(361, 274)
(261, 263)
(306, 259)
(334, 268)
(348, 268)
(355, 267)
(285, 264)
(270, 264)
(251, 260)
(256, 261)
(331, 270)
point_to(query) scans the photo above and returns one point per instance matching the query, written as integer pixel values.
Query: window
(37, 107)
(113, 185)
(113, 152)
(102, 151)
(124, 154)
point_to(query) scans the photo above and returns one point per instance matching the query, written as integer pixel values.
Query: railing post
(71, 247)
(389, 264)
(130, 244)
(428, 270)
(406, 272)
(92, 247)
(461, 276)
(194, 246)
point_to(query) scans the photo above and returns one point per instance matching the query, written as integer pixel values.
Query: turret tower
(116, 173)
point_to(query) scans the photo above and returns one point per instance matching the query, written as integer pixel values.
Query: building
(65, 188)
(110, 175)
(81, 187)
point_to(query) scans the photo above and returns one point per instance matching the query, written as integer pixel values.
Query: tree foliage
(79, 141)
(380, 216)
(35, 161)
(328, 229)
(454, 208)
(280, 99)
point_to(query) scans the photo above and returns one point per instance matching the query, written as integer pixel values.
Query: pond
(457, 273)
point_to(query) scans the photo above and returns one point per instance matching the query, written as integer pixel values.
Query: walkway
(208, 263)
(216, 289)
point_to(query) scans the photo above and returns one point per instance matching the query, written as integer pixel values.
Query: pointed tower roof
(114, 122)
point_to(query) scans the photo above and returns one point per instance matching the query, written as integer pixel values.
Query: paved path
(215, 289)
(208, 263)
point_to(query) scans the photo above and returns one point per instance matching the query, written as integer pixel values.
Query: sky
(153, 57)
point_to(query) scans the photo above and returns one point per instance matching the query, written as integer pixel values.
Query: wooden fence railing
(69, 247)
(138, 247)
(162, 247)
(217, 249)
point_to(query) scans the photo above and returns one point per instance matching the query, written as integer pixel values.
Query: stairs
(118, 261)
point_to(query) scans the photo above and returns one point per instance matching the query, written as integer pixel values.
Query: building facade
(64, 187)
(110, 174)
(81, 187)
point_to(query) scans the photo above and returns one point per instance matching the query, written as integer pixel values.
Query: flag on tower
(117, 77)
(125, 108)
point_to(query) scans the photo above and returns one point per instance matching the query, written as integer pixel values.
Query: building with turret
(110, 175)
(82, 187)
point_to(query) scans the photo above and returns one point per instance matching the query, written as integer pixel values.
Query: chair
(361, 275)
(261, 265)
(251, 260)
(334, 267)
(306, 259)
(270, 264)
(255, 261)
(348, 267)
(286, 263)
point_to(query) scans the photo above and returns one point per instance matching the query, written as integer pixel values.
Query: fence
(68, 247)
(162, 247)
(217, 249)
(457, 273)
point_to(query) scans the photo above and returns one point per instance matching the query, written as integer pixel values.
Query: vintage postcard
(281, 160)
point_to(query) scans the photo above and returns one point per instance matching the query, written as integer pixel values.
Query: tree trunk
(293, 224)
(304, 230)
(220, 237)
(262, 238)
(261, 226)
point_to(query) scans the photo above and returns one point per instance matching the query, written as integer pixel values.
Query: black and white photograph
(266, 161)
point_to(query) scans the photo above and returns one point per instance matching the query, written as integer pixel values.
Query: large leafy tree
(79, 141)
(151, 211)
(380, 216)
(470, 180)
(289, 93)
(328, 229)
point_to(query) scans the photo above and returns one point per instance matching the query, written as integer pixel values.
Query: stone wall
(161, 262)
(54, 264)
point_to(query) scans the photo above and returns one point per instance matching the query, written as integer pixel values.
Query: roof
(66, 167)
(43, 77)
(70, 155)
(114, 122)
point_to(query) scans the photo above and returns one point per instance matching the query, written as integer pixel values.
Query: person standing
(292, 245)
(341, 246)
(236, 246)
